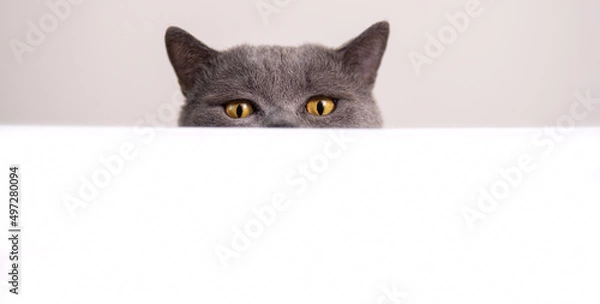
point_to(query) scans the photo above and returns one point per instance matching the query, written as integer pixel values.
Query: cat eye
(239, 109)
(320, 106)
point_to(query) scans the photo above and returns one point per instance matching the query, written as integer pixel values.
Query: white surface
(519, 63)
(387, 214)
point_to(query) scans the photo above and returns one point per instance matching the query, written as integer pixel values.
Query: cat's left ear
(187, 55)
(363, 54)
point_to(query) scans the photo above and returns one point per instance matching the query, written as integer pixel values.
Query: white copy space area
(303, 216)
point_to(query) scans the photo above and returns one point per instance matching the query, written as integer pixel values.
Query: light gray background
(518, 64)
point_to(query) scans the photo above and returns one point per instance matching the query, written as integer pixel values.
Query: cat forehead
(272, 57)
(275, 72)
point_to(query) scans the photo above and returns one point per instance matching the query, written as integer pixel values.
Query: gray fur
(278, 81)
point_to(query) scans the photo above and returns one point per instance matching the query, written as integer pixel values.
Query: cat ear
(186, 54)
(364, 53)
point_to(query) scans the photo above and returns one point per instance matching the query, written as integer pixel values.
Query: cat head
(308, 86)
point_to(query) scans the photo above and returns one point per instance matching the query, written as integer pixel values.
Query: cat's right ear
(364, 53)
(187, 55)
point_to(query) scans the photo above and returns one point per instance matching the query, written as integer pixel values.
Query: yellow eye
(239, 109)
(320, 106)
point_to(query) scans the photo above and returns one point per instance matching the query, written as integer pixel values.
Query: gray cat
(309, 86)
